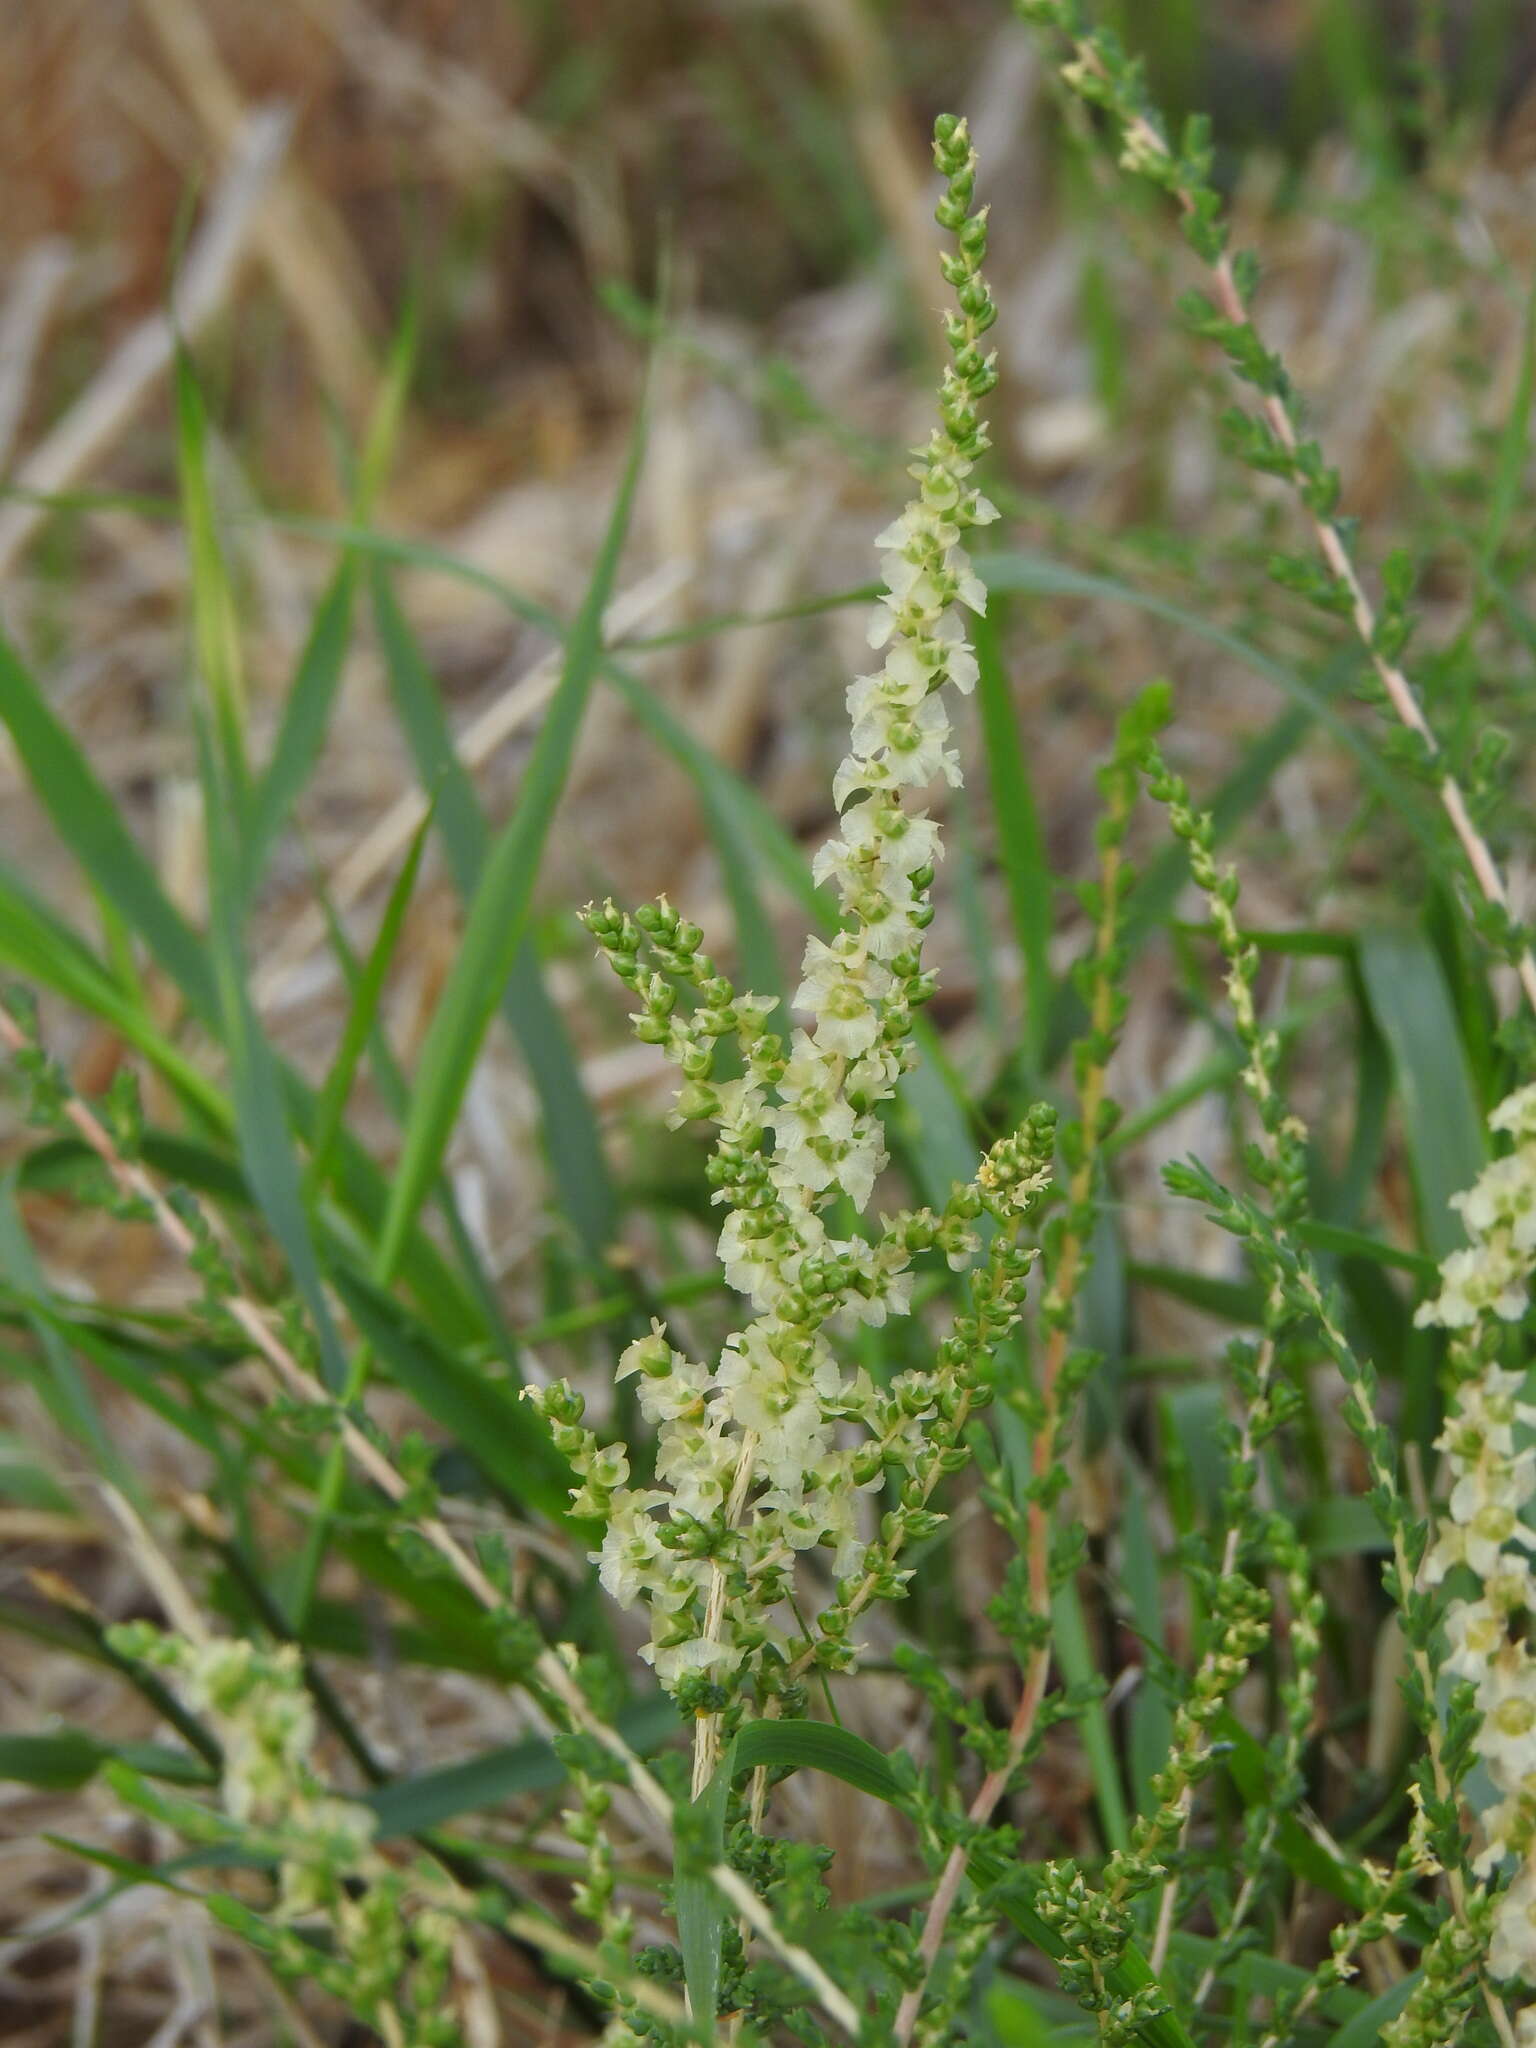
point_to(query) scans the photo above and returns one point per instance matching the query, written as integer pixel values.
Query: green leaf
(306, 719)
(67, 1758)
(362, 1015)
(499, 912)
(571, 1137)
(1020, 841)
(261, 1109)
(1038, 574)
(1151, 1717)
(493, 1777)
(1231, 1301)
(699, 1908)
(57, 1762)
(1356, 1244)
(1446, 1140)
(1069, 1633)
(483, 1415)
(815, 1746)
(88, 821)
(1365, 2029)
(215, 623)
(1021, 2016)
(64, 1387)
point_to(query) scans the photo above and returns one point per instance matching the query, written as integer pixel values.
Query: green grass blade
(306, 718)
(816, 1746)
(362, 1016)
(88, 821)
(1442, 1128)
(1042, 577)
(1069, 1633)
(43, 949)
(215, 624)
(499, 912)
(261, 1112)
(1151, 1717)
(482, 1413)
(66, 1758)
(1020, 841)
(490, 1779)
(699, 1906)
(64, 1387)
(1366, 2028)
(571, 1136)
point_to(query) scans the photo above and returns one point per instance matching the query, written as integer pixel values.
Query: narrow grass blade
(1020, 841)
(306, 719)
(816, 1746)
(91, 826)
(571, 1136)
(1366, 2028)
(483, 1414)
(65, 1388)
(1442, 1129)
(261, 1112)
(1043, 577)
(490, 1779)
(65, 1760)
(362, 1016)
(1151, 1718)
(699, 1907)
(930, 1122)
(1069, 1632)
(216, 628)
(499, 912)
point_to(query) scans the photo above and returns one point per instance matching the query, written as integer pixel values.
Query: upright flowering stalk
(754, 1461)
(1485, 1288)
(390, 1925)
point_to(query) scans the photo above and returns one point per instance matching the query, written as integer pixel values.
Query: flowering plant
(766, 1453)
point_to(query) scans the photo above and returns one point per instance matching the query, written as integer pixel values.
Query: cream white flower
(1517, 1114)
(1512, 1951)
(1506, 1740)
(1493, 1479)
(1487, 1412)
(631, 1546)
(1484, 1279)
(841, 998)
(1476, 1631)
(1493, 1482)
(1478, 1543)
